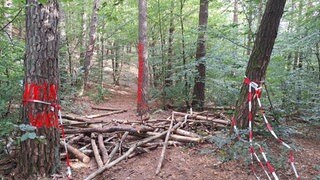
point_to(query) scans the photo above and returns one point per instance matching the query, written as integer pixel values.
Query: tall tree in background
(41, 82)
(168, 78)
(91, 44)
(8, 29)
(260, 56)
(199, 84)
(142, 104)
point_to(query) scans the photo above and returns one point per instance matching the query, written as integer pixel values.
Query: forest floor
(201, 161)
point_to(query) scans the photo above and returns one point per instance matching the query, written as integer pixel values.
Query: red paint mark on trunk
(38, 93)
(140, 100)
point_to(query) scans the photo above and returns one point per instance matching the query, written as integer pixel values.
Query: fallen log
(105, 114)
(179, 138)
(220, 121)
(109, 130)
(96, 151)
(219, 107)
(75, 117)
(75, 139)
(132, 148)
(78, 154)
(86, 123)
(117, 146)
(104, 151)
(187, 133)
(106, 108)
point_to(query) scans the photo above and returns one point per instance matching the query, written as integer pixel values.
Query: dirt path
(198, 161)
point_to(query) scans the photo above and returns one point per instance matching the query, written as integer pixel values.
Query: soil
(201, 161)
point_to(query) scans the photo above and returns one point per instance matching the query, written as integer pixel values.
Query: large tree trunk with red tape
(142, 104)
(260, 56)
(41, 83)
(199, 82)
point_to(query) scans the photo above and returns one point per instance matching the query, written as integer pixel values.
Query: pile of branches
(111, 141)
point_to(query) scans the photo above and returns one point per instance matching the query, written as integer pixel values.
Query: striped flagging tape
(254, 92)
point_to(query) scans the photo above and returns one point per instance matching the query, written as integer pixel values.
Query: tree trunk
(142, 104)
(41, 82)
(235, 12)
(163, 67)
(92, 40)
(184, 59)
(8, 29)
(102, 52)
(83, 39)
(199, 84)
(168, 80)
(260, 56)
(250, 32)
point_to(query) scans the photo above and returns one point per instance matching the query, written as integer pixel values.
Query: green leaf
(24, 137)
(32, 135)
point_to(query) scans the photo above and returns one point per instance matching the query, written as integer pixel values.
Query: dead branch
(105, 114)
(85, 123)
(75, 139)
(116, 148)
(132, 148)
(186, 133)
(96, 151)
(203, 118)
(79, 155)
(104, 151)
(179, 138)
(109, 130)
(215, 108)
(106, 108)
(75, 117)
(165, 144)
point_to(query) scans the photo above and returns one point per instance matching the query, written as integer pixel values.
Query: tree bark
(41, 82)
(92, 40)
(8, 29)
(84, 33)
(199, 83)
(168, 80)
(142, 104)
(260, 56)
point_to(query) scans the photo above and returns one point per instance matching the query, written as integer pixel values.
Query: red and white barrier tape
(254, 87)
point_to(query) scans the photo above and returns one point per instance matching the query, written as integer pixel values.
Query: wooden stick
(108, 130)
(79, 155)
(164, 147)
(116, 148)
(75, 139)
(106, 108)
(203, 118)
(132, 148)
(220, 107)
(187, 133)
(105, 114)
(104, 151)
(96, 151)
(75, 117)
(86, 123)
(170, 143)
(179, 138)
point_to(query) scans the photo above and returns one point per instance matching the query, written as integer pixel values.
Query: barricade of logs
(110, 141)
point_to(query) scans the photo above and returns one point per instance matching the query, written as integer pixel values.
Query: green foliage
(99, 94)
(11, 76)
(28, 132)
